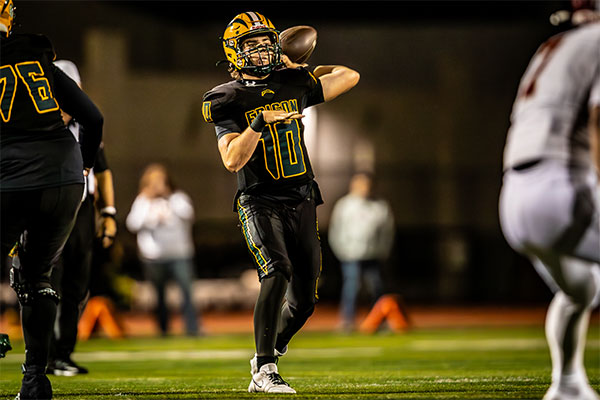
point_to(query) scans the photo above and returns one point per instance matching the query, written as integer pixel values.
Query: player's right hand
(280, 115)
(290, 64)
(108, 231)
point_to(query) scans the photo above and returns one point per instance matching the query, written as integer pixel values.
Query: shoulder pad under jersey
(215, 102)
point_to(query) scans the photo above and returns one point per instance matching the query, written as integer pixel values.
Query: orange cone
(99, 311)
(10, 323)
(388, 307)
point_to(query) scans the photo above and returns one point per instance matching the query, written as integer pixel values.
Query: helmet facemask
(260, 59)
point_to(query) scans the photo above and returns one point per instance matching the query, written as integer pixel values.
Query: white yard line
(231, 354)
(486, 344)
(337, 352)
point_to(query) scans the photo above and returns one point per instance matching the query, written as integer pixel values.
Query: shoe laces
(276, 379)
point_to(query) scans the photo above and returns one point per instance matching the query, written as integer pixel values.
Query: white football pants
(550, 213)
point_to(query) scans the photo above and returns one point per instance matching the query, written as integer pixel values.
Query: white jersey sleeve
(550, 114)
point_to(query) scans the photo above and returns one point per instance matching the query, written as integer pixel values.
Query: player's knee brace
(26, 291)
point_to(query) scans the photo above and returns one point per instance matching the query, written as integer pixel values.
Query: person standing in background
(71, 277)
(361, 235)
(162, 217)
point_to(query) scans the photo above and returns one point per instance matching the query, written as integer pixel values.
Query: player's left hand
(289, 64)
(281, 116)
(108, 231)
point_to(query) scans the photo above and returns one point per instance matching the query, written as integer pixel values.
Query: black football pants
(284, 244)
(71, 278)
(47, 215)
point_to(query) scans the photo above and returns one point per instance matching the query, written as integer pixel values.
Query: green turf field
(426, 364)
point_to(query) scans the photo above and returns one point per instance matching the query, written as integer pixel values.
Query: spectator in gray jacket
(361, 234)
(162, 217)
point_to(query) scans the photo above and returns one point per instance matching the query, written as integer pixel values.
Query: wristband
(108, 211)
(258, 124)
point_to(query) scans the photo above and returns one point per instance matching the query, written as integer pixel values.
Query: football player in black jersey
(42, 171)
(257, 119)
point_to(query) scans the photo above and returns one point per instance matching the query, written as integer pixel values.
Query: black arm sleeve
(77, 104)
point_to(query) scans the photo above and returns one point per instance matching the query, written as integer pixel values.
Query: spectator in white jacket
(361, 234)
(162, 217)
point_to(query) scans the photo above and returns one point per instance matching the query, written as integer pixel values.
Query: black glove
(4, 344)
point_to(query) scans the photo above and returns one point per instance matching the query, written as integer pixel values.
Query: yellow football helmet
(242, 27)
(7, 16)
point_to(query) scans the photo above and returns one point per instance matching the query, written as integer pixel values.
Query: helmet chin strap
(250, 79)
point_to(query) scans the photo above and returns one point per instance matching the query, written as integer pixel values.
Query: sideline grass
(429, 364)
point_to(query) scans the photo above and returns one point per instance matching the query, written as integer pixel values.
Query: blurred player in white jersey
(550, 196)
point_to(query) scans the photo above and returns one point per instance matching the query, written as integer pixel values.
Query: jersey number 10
(32, 75)
(284, 154)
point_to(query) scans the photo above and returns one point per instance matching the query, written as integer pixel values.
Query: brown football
(298, 42)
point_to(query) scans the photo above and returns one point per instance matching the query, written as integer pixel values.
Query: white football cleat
(254, 365)
(254, 360)
(268, 380)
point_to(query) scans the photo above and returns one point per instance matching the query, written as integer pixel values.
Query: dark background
(437, 84)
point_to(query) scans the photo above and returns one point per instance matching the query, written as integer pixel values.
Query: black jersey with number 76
(28, 102)
(36, 148)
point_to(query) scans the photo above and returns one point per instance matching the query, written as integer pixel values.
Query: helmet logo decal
(238, 21)
(258, 25)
